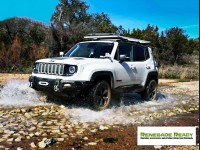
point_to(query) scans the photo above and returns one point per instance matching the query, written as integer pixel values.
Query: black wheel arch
(103, 75)
(152, 76)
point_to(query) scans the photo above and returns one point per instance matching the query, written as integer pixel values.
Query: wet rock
(10, 140)
(92, 143)
(40, 124)
(31, 135)
(34, 122)
(1, 125)
(1, 131)
(85, 138)
(8, 132)
(32, 129)
(16, 135)
(93, 131)
(60, 124)
(27, 115)
(59, 139)
(68, 126)
(62, 127)
(37, 133)
(101, 127)
(171, 114)
(19, 139)
(191, 109)
(157, 146)
(179, 110)
(23, 110)
(64, 136)
(57, 113)
(44, 134)
(64, 130)
(80, 131)
(33, 145)
(1, 140)
(130, 114)
(2, 147)
(55, 131)
(5, 136)
(49, 123)
(42, 144)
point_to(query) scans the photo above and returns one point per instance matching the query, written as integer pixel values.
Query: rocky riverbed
(27, 121)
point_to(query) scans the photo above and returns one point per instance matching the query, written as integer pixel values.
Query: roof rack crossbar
(99, 36)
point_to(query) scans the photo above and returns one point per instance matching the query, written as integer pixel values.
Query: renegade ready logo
(175, 135)
(166, 136)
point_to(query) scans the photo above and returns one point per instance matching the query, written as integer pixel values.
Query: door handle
(148, 67)
(133, 67)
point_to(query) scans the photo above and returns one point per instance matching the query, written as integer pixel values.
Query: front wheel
(150, 92)
(100, 95)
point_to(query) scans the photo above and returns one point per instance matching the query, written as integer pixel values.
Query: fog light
(67, 85)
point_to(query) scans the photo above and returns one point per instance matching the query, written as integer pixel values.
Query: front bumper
(58, 86)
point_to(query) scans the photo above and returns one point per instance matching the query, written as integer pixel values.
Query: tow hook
(31, 84)
(56, 86)
(31, 81)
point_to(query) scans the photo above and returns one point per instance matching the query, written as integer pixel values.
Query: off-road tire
(100, 95)
(150, 92)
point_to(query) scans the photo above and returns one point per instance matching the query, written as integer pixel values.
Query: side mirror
(61, 54)
(157, 64)
(122, 58)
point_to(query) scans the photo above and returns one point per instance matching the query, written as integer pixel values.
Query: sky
(128, 13)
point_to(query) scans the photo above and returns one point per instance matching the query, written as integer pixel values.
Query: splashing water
(122, 115)
(18, 93)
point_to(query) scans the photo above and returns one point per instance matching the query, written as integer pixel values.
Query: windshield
(90, 49)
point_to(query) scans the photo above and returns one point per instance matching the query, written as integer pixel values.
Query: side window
(125, 49)
(139, 53)
(147, 53)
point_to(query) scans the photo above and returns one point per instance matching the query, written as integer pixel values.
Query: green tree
(101, 23)
(162, 53)
(137, 33)
(176, 44)
(69, 23)
(192, 46)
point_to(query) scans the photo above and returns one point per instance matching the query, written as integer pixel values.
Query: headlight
(72, 69)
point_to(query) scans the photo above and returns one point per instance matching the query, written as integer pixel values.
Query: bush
(179, 72)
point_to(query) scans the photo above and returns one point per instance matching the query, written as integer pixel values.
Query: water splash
(18, 93)
(131, 114)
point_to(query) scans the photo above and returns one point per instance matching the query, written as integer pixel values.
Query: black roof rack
(99, 36)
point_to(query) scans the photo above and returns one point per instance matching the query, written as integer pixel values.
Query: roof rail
(99, 36)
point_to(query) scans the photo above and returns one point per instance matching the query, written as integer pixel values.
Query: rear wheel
(100, 95)
(150, 92)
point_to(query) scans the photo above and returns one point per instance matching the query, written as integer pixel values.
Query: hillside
(22, 41)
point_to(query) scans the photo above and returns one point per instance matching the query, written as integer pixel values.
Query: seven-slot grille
(53, 69)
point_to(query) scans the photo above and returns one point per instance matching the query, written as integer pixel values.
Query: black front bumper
(58, 86)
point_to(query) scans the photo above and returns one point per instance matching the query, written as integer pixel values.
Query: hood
(71, 60)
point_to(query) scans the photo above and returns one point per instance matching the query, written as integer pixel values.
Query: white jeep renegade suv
(97, 68)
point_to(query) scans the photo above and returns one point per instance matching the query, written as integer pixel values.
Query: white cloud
(190, 26)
